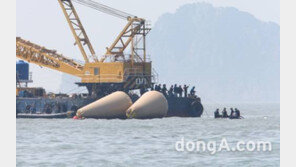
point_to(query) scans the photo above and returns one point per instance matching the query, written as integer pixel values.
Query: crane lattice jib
(77, 29)
(135, 26)
(41, 56)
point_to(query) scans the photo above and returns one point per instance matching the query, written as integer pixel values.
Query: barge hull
(177, 106)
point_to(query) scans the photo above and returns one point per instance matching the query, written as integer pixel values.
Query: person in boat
(224, 113)
(164, 90)
(185, 88)
(217, 114)
(237, 113)
(232, 113)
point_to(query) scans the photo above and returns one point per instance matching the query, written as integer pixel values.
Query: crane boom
(77, 29)
(39, 55)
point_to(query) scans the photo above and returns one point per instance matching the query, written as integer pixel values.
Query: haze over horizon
(229, 55)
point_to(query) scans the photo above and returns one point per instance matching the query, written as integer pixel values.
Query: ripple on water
(146, 142)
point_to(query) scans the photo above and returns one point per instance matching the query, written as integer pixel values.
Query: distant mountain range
(229, 55)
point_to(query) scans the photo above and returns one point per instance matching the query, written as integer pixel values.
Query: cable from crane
(105, 9)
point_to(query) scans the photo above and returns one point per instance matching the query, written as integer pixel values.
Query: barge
(125, 67)
(66, 107)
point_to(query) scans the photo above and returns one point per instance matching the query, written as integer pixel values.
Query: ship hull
(51, 107)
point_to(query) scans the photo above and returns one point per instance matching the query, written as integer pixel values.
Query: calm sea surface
(90, 142)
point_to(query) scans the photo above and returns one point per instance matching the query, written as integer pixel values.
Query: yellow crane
(116, 70)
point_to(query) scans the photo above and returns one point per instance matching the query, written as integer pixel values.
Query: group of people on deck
(234, 113)
(175, 90)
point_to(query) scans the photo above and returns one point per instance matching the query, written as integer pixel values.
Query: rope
(104, 8)
(212, 101)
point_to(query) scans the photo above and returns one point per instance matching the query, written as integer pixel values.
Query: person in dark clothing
(224, 113)
(180, 91)
(156, 87)
(217, 114)
(142, 90)
(237, 113)
(185, 88)
(164, 90)
(192, 91)
(33, 111)
(152, 87)
(159, 87)
(175, 90)
(232, 113)
(171, 90)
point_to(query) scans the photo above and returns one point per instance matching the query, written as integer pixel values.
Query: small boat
(240, 117)
(228, 117)
(44, 116)
(220, 117)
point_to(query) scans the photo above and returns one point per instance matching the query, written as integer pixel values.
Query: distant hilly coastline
(228, 54)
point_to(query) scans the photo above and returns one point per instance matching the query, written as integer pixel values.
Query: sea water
(90, 142)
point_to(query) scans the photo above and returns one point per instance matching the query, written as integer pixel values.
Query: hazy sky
(42, 22)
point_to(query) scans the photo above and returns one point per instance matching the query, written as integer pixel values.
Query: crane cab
(103, 76)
